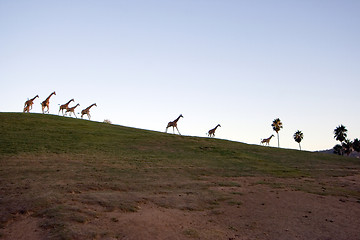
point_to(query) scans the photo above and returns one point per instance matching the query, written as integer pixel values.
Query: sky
(238, 63)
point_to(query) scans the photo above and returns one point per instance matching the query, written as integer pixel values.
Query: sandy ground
(256, 211)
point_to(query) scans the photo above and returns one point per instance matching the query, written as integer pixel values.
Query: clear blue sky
(238, 63)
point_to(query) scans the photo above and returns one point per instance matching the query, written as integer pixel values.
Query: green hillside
(48, 162)
(48, 134)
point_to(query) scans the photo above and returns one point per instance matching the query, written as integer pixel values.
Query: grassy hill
(51, 167)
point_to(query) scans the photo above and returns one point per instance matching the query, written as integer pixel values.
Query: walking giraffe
(28, 104)
(46, 102)
(212, 131)
(173, 124)
(65, 107)
(87, 111)
(267, 140)
(71, 110)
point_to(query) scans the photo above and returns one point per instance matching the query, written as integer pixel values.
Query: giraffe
(28, 104)
(71, 110)
(212, 131)
(267, 140)
(65, 107)
(173, 124)
(45, 103)
(87, 111)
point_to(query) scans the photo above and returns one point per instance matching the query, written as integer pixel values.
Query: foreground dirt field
(259, 208)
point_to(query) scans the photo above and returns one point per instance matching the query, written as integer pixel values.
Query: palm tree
(277, 125)
(356, 145)
(340, 133)
(347, 146)
(298, 136)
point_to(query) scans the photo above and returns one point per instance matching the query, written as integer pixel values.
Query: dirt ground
(255, 211)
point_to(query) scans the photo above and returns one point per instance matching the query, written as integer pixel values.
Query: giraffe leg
(178, 130)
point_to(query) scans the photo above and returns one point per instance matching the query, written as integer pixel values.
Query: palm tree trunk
(300, 146)
(278, 139)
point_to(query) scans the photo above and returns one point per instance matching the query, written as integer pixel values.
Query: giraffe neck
(88, 108)
(69, 102)
(34, 98)
(175, 121)
(48, 98)
(72, 108)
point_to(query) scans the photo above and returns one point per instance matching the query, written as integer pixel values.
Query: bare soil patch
(249, 208)
(24, 227)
